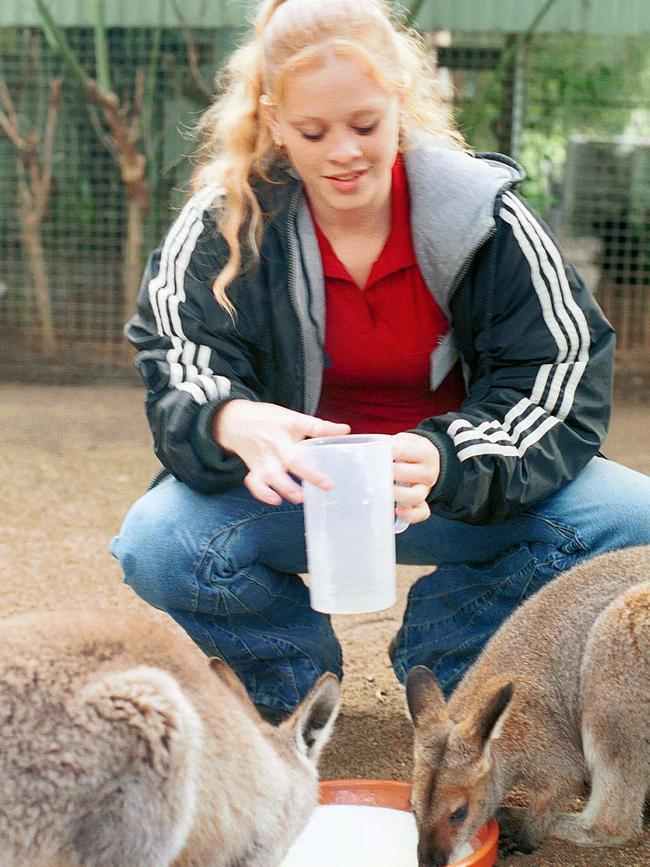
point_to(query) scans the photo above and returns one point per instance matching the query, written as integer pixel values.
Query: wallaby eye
(459, 815)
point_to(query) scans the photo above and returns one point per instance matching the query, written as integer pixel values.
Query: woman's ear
(270, 118)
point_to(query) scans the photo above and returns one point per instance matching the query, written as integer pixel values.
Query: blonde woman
(345, 264)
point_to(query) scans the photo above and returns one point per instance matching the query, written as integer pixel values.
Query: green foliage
(585, 85)
(543, 156)
(574, 86)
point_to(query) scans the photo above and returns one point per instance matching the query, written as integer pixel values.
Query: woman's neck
(371, 220)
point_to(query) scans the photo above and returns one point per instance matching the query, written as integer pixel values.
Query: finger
(412, 474)
(318, 427)
(412, 448)
(282, 483)
(410, 497)
(303, 469)
(414, 515)
(261, 491)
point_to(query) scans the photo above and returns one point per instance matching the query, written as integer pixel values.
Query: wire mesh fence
(77, 217)
(575, 112)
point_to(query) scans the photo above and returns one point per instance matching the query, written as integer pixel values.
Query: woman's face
(340, 130)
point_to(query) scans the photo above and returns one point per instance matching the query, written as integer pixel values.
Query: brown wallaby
(122, 745)
(558, 698)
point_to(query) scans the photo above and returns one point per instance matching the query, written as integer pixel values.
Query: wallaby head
(297, 743)
(456, 787)
(306, 731)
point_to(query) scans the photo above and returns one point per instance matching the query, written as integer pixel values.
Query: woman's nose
(344, 149)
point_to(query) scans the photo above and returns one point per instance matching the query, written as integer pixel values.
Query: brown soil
(74, 459)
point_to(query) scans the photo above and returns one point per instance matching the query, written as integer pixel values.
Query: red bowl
(395, 794)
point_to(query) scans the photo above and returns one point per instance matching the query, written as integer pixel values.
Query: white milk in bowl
(351, 835)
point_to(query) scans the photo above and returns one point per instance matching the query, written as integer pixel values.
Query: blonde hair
(288, 35)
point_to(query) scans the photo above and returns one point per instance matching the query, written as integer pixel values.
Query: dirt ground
(72, 461)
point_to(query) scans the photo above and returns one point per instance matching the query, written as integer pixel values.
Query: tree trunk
(133, 167)
(33, 247)
(133, 246)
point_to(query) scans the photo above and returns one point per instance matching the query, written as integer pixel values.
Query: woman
(344, 264)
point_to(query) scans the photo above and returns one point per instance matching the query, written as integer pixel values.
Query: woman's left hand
(416, 470)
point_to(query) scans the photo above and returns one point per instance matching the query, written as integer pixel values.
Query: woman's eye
(459, 815)
(366, 130)
(312, 136)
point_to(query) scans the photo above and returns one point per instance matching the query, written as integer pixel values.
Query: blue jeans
(224, 567)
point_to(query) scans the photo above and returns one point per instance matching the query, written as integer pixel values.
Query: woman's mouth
(346, 181)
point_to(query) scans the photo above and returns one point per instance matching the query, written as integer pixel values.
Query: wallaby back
(123, 745)
(553, 701)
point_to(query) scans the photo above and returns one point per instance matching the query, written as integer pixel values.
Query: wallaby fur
(560, 697)
(122, 745)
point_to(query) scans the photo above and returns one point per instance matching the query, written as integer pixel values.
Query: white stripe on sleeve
(532, 417)
(189, 365)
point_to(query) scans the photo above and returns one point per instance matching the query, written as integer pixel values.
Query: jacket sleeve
(191, 355)
(539, 396)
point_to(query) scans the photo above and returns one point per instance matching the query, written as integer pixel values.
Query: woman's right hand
(264, 436)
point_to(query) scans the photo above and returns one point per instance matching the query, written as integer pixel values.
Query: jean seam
(262, 586)
(475, 604)
(212, 552)
(275, 597)
(568, 532)
(227, 529)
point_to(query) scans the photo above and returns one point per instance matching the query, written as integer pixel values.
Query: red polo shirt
(378, 339)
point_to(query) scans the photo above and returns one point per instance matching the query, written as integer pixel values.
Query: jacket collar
(452, 208)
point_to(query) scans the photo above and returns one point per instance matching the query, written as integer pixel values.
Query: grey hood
(452, 209)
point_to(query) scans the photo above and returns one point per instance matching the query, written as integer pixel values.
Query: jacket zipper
(160, 475)
(468, 261)
(291, 281)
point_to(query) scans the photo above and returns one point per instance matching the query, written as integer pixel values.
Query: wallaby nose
(438, 860)
(433, 857)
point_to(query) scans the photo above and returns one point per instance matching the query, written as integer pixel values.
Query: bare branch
(150, 90)
(193, 56)
(105, 98)
(43, 188)
(11, 133)
(9, 121)
(138, 102)
(59, 37)
(95, 120)
(101, 47)
(8, 103)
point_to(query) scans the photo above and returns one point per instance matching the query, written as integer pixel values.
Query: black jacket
(535, 348)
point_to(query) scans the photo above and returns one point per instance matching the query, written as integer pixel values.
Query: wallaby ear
(314, 717)
(426, 703)
(225, 673)
(486, 722)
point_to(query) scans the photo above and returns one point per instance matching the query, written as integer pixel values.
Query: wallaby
(122, 745)
(559, 697)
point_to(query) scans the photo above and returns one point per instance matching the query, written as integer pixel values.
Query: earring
(278, 142)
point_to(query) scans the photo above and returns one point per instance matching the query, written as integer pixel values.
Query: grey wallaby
(559, 698)
(122, 745)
